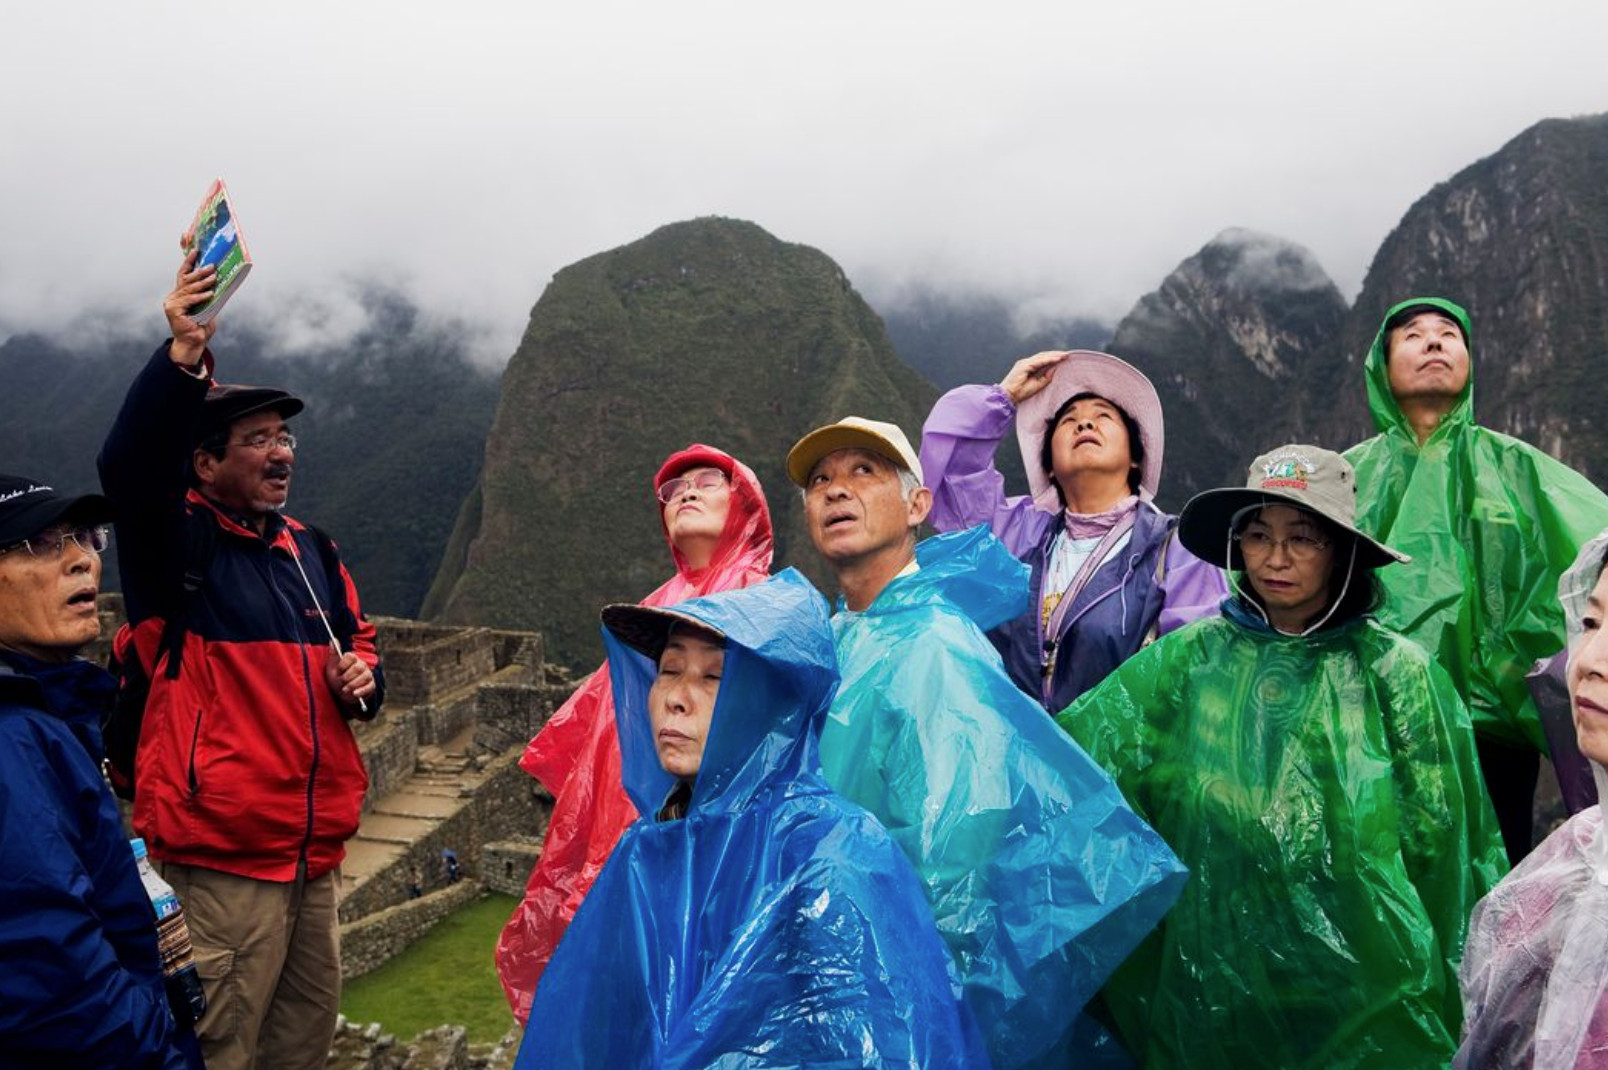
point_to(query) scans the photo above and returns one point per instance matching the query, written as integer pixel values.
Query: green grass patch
(448, 977)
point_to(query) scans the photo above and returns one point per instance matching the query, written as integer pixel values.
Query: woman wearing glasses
(718, 528)
(83, 983)
(1316, 772)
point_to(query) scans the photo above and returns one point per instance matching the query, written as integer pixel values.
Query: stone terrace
(461, 705)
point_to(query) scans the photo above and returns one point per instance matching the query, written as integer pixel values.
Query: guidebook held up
(216, 232)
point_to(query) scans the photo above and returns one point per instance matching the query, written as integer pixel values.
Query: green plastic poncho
(1324, 793)
(1491, 523)
(1040, 876)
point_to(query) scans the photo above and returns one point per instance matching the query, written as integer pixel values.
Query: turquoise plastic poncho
(1325, 795)
(776, 925)
(1491, 523)
(1040, 876)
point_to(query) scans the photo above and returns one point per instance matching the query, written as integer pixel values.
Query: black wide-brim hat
(228, 402)
(1310, 478)
(646, 629)
(28, 507)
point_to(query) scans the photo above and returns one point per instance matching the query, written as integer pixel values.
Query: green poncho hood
(1491, 523)
(1387, 414)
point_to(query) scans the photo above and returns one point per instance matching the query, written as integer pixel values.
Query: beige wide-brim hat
(1086, 371)
(852, 433)
(1306, 477)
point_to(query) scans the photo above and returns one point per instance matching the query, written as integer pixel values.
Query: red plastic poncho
(577, 755)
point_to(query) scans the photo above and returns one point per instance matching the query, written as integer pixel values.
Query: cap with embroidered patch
(28, 507)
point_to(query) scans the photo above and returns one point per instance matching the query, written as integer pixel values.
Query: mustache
(277, 471)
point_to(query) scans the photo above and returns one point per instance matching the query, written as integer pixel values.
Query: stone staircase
(401, 829)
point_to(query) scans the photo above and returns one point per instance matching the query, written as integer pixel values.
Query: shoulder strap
(200, 541)
(340, 613)
(1161, 578)
(1161, 556)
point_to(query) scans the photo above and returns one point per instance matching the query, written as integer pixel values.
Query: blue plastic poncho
(1041, 877)
(776, 925)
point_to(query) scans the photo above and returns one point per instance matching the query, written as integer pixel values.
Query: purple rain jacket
(1135, 592)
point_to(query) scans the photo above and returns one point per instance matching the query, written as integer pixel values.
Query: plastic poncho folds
(776, 925)
(1325, 795)
(576, 755)
(1040, 876)
(1491, 523)
(1535, 971)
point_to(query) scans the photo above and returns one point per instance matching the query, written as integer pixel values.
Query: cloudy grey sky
(1066, 154)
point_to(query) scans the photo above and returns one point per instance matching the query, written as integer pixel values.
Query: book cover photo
(216, 233)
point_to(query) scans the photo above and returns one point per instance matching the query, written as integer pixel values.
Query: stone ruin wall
(371, 942)
(508, 805)
(505, 866)
(368, 1047)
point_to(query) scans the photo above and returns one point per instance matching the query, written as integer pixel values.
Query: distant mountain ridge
(1240, 341)
(707, 331)
(1520, 239)
(390, 441)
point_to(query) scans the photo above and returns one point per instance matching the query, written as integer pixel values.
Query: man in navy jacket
(82, 984)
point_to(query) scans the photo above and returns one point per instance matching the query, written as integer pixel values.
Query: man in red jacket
(248, 780)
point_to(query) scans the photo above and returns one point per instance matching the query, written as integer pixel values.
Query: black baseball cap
(28, 507)
(227, 402)
(1404, 315)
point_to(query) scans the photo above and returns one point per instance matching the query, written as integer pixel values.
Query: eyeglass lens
(52, 541)
(671, 489)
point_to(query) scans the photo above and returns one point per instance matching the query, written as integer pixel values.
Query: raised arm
(144, 463)
(958, 443)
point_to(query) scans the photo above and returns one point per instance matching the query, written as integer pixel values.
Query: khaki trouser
(270, 961)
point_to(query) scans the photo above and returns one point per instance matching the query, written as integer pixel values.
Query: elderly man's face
(856, 509)
(681, 701)
(253, 476)
(1427, 358)
(47, 598)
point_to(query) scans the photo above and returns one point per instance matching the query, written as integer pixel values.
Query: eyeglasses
(52, 541)
(1260, 544)
(262, 443)
(671, 489)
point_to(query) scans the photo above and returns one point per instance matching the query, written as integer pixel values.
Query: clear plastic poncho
(1325, 795)
(1491, 523)
(776, 925)
(576, 755)
(1535, 971)
(1039, 874)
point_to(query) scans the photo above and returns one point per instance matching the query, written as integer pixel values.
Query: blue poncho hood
(780, 663)
(775, 925)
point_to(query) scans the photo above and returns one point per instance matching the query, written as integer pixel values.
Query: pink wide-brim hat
(1087, 372)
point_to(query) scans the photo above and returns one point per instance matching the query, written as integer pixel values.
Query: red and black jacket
(246, 762)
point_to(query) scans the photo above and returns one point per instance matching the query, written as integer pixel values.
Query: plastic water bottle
(173, 941)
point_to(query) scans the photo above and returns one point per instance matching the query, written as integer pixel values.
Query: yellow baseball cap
(852, 433)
